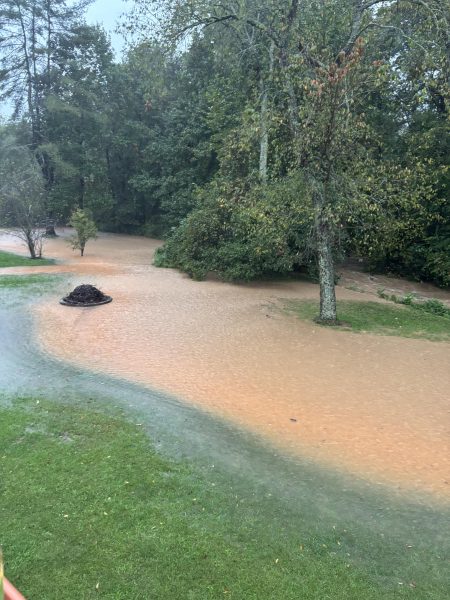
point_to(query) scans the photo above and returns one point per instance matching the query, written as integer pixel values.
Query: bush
(433, 306)
(243, 236)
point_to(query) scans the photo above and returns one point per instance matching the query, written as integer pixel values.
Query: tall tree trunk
(81, 192)
(324, 230)
(285, 62)
(27, 64)
(264, 141)
(110, 174)
(328, 311)
(292, 104)
(324, 235)
(33, 59)
(49, 44)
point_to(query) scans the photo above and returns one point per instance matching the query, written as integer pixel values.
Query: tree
(260, 136)
(78, 124)
(163, 115)
(22, 208)
(328, 58)
(28, 41)
(27, 44)
(85, 230)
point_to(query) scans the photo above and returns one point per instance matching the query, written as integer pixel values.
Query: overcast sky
(107, 13)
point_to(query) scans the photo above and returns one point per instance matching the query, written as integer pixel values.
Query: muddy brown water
(377, 407)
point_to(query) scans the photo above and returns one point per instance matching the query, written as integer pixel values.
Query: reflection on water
(374, 406)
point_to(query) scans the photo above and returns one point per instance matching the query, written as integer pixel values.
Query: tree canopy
(257, 137)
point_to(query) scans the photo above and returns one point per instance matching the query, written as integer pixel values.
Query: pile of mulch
(86, 295)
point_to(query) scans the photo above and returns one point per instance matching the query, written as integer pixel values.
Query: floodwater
(375, 407)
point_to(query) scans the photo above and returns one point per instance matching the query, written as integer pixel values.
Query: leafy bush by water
(243, 235)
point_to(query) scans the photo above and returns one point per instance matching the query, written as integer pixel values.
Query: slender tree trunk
(82, 179)
(81, 193)
(49, 44)
(264, 142)
(30, 244)
(292, 103)
(33, 59)
(38, 244)
(110, 175)
(27, 64)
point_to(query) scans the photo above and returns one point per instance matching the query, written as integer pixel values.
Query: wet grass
(27, 281)
(380, 318)
(17, 289)
(7, 259)
(92, 511)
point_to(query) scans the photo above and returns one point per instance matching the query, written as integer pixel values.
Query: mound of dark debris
(86, 295)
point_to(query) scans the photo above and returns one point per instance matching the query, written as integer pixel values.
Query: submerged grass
(27, 281)
(8, 259)
(91, 510)
(380, 318)
(15, 289)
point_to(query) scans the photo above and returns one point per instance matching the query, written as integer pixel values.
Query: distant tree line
(257, 137)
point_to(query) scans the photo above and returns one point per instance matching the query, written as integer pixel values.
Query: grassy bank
(7, 259)
(90, 510)
(380, 318)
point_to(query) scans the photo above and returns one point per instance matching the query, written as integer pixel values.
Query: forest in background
(255, 137)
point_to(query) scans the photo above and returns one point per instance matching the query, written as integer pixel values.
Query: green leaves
(242, 236)
(85, 229)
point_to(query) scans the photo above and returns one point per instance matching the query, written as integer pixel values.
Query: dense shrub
(243, 236)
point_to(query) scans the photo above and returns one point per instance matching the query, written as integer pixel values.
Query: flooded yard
(375, 407)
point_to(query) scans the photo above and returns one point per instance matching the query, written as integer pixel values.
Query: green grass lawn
(88, 509)
(380, 318)
(7, 259)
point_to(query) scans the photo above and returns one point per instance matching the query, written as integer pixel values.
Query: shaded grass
(8, 259)
(380, 318)
(92, 511)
